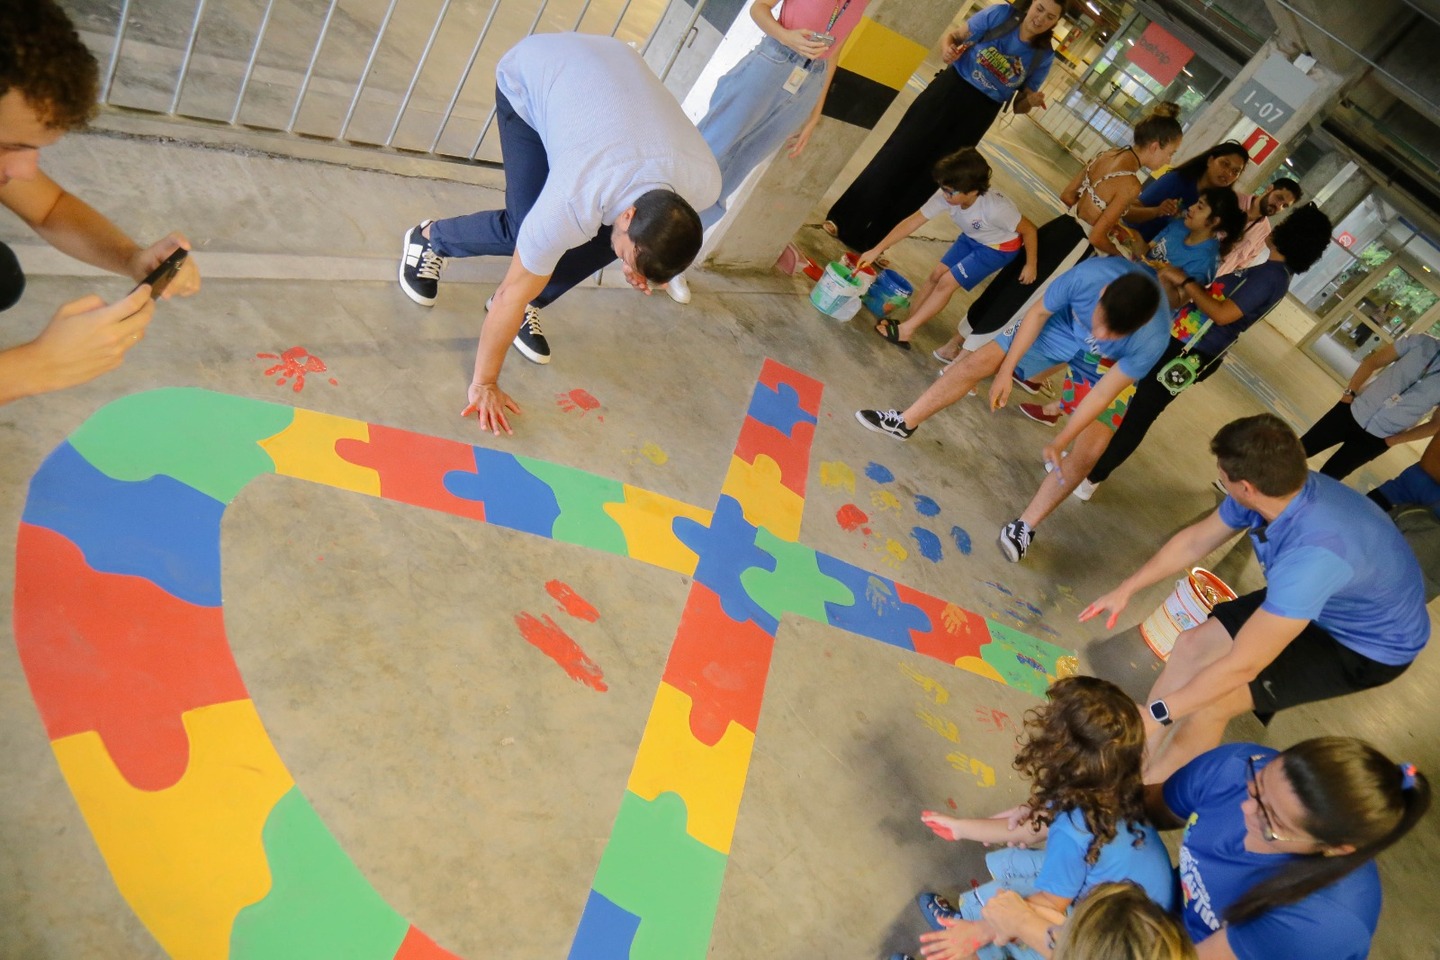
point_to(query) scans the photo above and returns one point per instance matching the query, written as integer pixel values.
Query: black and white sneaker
(1015, 538)
(420, 266)
(531, 339)
(885, 421)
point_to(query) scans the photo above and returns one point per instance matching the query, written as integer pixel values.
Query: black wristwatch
(1160, 713)
(1348, 393)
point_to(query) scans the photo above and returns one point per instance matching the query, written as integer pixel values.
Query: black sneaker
(885, 421)
(1015, 538)
(531, 339)
(420, 266)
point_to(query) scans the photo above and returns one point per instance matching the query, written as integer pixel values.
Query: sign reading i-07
(1262, 105)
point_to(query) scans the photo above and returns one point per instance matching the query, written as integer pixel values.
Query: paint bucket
(1188, 606)
(866, 276)
(836, 291)
(889, 292)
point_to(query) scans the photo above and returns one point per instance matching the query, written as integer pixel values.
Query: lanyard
(835, 15)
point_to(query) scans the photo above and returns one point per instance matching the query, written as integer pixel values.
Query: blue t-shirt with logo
(998, 67)
(1072, 298)
(1066, 874)
(1332, 556)
(1336, 922)
(1197, 260)
(1169, 186)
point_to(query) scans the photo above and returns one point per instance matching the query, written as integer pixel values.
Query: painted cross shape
(119, 624)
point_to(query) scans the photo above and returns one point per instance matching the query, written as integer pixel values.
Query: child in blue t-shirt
(1082, 753)
(1196, 242)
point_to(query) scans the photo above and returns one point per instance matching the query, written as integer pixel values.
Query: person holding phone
(48, 86)
(774, 95)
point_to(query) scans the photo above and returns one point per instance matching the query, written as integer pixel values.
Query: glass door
(1363, 310)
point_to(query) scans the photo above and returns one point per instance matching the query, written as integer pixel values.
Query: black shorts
(1314, 666)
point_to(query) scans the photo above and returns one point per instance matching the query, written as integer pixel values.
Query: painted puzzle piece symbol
(910, 621)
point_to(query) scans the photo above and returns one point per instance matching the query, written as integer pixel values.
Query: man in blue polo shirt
(1106, 307)
(1343, 608)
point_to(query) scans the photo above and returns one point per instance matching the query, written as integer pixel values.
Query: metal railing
(407, 75)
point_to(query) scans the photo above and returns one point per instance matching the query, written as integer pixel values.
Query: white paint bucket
(835, 292)
(1188, 606)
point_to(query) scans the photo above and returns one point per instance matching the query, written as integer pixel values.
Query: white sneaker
(678, 289)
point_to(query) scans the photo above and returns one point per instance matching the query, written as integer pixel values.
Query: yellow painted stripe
(880, 54)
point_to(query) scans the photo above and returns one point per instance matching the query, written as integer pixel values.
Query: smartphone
(160, 277)
(824, 38)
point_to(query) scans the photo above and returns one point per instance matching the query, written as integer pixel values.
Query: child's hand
(1006, 913)
(1000, 386)
(958, 941)
(946, 828)
(1027, 274)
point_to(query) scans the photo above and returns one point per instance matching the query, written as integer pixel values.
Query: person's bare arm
(1125, 192)
(502, 321)
(897, 233)
(1030, 238)
(78, 230)
(763, 13)
(1178, 553)
(84, 339)
(1221, 312)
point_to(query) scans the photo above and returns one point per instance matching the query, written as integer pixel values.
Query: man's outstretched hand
(488, 403)
(85, 338)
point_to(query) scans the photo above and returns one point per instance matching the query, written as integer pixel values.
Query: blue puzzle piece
(159, 529)
(513, 496)
(778, 408)
(606, 931)
(727, 549)
(877, 612)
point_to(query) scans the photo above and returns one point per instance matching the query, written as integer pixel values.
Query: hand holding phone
(160, 277)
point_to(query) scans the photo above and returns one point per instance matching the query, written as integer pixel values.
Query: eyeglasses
(948, 191)
(1267, 823)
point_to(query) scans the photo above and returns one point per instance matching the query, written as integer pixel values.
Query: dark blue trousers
(492, 233)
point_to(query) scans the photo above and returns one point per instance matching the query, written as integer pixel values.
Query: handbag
(1183, 371)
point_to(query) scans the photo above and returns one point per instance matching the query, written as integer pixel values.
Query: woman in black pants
(996, 53)
(1230, 306)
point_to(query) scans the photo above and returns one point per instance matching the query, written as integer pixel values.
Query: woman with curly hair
(1082, 753)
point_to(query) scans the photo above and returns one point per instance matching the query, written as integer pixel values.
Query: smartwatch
(1160, 713)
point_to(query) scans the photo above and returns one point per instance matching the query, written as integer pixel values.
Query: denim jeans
(492, 233)
(751, 113)
(1014, 868)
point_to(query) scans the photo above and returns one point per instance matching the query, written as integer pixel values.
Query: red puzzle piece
(412, 468)
(417, 946)
(118, 655)
(808, 391)
(720, 664)
(791, 453)
(962, 636)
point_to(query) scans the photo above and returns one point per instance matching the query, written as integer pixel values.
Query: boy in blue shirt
(1343, 608)
(1106, 307)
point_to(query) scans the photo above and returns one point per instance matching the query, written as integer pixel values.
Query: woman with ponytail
(1278, 855)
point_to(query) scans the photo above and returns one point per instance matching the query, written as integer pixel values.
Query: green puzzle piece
(1024, 662)
(664, 876)
(319, 904)
(210, 442)
(582, 498)
(796, 585)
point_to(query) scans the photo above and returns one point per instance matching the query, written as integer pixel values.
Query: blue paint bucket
(889, 292)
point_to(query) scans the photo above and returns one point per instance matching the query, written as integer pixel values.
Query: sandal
(890, 330)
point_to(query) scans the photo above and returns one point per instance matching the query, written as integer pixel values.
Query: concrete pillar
(1222, 120)
(1337, 185)
(890, 43)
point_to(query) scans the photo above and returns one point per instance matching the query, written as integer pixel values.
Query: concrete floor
(471, 781)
